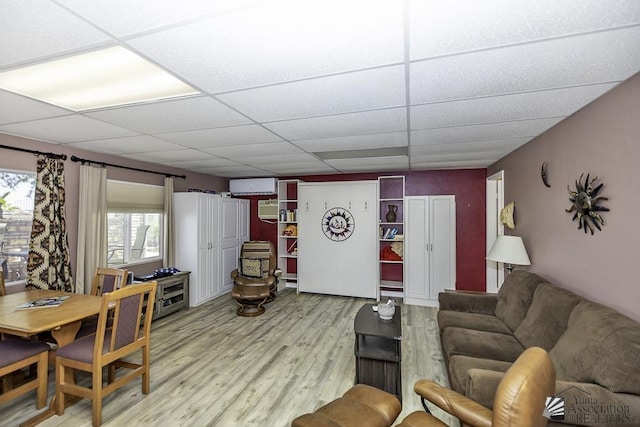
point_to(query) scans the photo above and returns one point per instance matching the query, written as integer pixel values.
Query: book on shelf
(390, 233)
(43, 302)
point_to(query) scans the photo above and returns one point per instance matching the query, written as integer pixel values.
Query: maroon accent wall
(467, 185)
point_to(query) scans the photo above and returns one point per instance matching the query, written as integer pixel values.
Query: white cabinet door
(229, 261)
(207, 241)
(442, 225)
(416, 251)
(244, 220)
(430, 248)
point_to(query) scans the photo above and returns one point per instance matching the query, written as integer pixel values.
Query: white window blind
(125, 196)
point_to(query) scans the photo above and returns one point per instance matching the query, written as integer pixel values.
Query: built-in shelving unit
(288, 240)
(391, 196)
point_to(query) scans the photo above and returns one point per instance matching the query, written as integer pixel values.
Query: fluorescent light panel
(98, 79)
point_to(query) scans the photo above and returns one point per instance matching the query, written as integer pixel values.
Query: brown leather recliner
(519, 401)
(255, 280)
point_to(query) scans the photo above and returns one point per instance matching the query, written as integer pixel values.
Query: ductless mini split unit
(252, 186)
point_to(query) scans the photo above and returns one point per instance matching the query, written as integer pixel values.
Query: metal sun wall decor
(338, 224)
(584, 202)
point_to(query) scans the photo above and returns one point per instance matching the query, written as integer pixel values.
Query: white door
(495, 203)
(416, 241)
(337, 238)
(442, 225)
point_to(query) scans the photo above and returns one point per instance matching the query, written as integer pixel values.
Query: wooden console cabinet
(172, 294)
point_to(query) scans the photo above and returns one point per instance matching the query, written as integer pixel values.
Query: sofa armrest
(482, 385)
(470, 302)
(588, 404)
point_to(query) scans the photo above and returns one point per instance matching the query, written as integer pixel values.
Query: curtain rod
(168, 175)
(36, 152)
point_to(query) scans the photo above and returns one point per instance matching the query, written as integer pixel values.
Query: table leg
(63, 335)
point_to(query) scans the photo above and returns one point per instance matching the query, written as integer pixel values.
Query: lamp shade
(509, 250)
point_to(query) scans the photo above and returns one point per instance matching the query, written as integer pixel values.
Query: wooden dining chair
(108, 280)
(132, 308)
(105, 280)
(16, 354)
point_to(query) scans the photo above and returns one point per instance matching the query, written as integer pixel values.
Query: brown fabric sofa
(595, 350)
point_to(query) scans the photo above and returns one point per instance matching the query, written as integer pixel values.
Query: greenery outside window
(17, 190)
(134, 222)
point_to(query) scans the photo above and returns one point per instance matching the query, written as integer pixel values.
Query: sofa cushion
(547, 316)
(600, 346)
(481, 344)
(477, 321)
(459, 365)
(515, 296)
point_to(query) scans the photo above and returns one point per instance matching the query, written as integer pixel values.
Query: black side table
(377, 350)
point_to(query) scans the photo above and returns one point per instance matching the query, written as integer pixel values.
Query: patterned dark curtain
(48, 266)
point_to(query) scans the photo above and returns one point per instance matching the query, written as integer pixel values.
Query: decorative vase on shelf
(392, 214)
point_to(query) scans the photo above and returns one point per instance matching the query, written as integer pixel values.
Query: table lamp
(509, 250)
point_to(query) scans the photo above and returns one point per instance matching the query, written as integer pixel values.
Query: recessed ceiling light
(364, 153)
(98, 79)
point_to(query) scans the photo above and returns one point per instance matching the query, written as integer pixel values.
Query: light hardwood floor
(210, 367)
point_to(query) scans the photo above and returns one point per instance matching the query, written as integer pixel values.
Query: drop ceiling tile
(531, 105)
(278, 159)
(15, 108)
(167, 156)
(131, 144)
(201, 164)
(343, 93)
(368, 122)
(66, 129)
(445, 164)
(33, 29)
(371, 164)
(465, 148)
(264, 149)
(489, 156)
(240, 171)
(117, 17)
(233, 135)
(484, 132)
(290, 170)
(550, 64)
(280, 41)
(356, 142)
(171, 116)
(501, 22)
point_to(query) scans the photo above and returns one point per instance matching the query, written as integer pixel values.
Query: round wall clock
(338, 224)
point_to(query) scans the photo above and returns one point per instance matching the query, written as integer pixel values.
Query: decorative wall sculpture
(584, 202)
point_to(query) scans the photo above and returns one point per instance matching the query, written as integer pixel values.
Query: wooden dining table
(62, 321)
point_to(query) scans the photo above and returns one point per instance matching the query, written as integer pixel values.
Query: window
(134, 222)
(16, 216)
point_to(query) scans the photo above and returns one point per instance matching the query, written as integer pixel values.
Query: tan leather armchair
(255, 280)
(519, 400)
